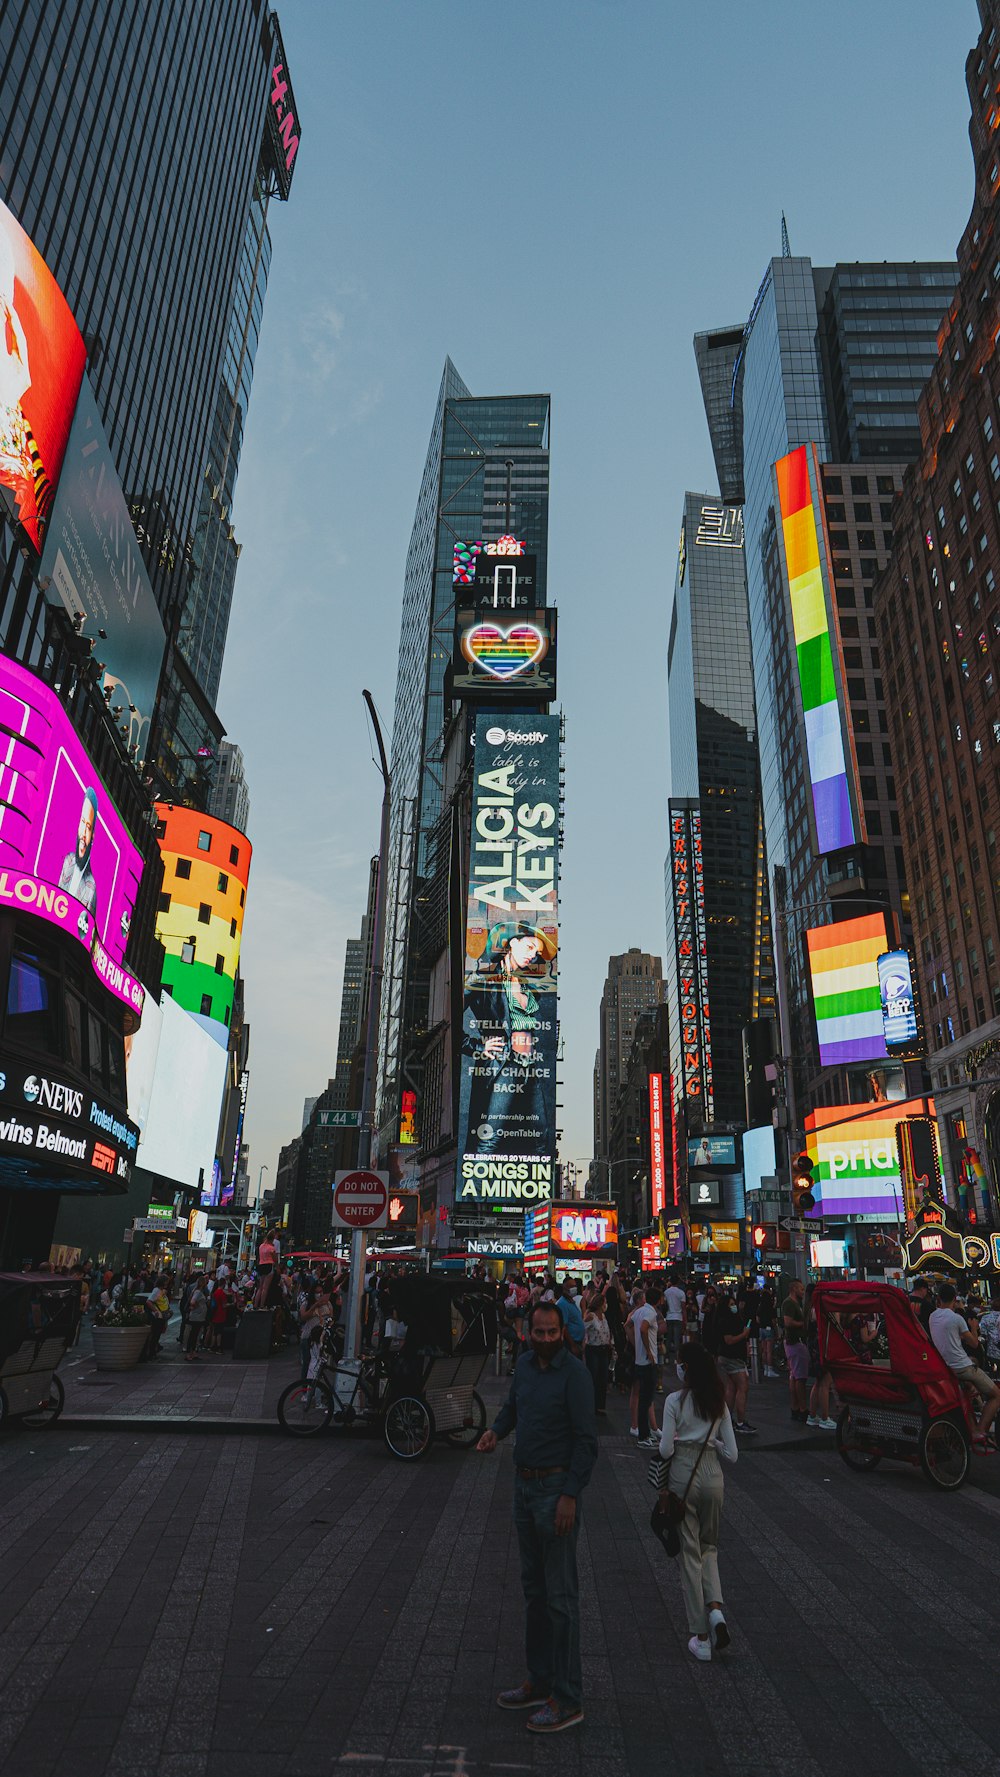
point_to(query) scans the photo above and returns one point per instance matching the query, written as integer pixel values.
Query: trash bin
(253, 1335)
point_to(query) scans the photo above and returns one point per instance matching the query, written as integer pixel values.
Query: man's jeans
(551, 1590)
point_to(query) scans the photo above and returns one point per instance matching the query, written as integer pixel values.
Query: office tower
(159, 242)
(637, 1170)
(716, 894)
(230, 797)
(485, 478)
(633, 984)
(828, 371)
(938, 613)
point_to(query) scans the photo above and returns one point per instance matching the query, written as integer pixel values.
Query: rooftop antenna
(786, 251)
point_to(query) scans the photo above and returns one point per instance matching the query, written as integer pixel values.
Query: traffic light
(802, 1180)
(759, 1235)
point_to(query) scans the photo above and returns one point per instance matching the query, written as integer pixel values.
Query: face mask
(681, 1372)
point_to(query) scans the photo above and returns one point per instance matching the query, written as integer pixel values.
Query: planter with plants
(120, 1334)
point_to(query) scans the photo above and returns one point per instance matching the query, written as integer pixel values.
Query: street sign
(128, 1237)
(798, 1225)
(339, 1119)
(155, 1224)
(361, 1200)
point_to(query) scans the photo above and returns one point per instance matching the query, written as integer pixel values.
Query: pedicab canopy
(888, 1368)
(451, 1316)
(34, 1305)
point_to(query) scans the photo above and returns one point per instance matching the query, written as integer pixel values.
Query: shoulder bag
(668, 1512)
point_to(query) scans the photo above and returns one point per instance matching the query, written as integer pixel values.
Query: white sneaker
(633, 1431)
(702, 1650)
(718, 1632)
(812, 1420)
(827, 1424)
(649, 1443)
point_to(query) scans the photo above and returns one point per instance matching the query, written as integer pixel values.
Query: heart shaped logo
(504, 653)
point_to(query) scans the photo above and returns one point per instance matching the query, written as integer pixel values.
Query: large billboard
(831, 772)
(853, 1150)
(511, 656)
(898, 1001)
(93, 567)
(65, 853)
(843, 965)
(657, 1161)
(182, 1119)
(206, 870)
(47, 1120)
(42, 354)
(712, 1150)
(507, 1121)
(687, 880)
(714, 1237)
(581, 1227)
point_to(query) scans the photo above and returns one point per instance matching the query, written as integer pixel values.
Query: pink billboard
(65, 854)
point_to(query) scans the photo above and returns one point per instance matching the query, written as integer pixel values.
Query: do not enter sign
(361, 1200)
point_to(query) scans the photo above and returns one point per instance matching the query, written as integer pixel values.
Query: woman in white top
(597, 1348)
(697, 1430)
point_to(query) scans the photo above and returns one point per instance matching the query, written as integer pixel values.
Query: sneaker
(551, 1719)
(827, 1424)
(717, 1631)
(524, 1697)
(649, 1443)
(633, 1431)
(745, 1429)
(811, 1419)
(702, 1650)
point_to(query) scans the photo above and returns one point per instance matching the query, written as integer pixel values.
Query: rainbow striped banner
(843, 964)
(814, 648)
(853, 1148)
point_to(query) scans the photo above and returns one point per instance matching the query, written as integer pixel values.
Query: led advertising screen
(505, 655)
(282, 118)
(853, 1150)
(900, 1025)
(93, 567)
(182, 1123)
(758, 1157)
(49, 1121)
(657, 1163)
(704, 1193)
(65, 853)
(843, 966)
(507, 1121)
(141, 1049)
(465, 556)
(690, 938)
(712, 1150)
(583, 1227)
(43, 355)
(833, 804)
(206, 864)
(536, 1235)
(714, 1237)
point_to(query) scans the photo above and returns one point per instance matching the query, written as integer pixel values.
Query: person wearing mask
(597, 1348)
(767, 1310)
(197, 1315)
(572, 1319)
(551, 1404)
(697, 1430)
(793, 1321)
(732, 1329)
(958, 1344)
(922, 1302)
(989, 1332)
(644, 1322)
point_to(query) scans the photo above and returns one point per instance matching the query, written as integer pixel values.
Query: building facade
(938, 614)
(230, 798)
(633, 984)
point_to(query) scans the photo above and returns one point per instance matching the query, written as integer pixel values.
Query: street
(186, 1602)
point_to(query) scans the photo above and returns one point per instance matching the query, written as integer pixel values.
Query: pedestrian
(551, 1403)
(616, 1308)
(766, 1317)
(957, 1343)
(820, 1375)
(674, 1299)
(597, 1348)
(646, 1355)
(197, 1315)
(796, 1350)
(989, 1330)
(922, 1302)
(218, 1312)
(697, 1430)
(572, 1319)
(733, 1332)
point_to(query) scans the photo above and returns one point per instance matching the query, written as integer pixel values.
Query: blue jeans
(551, 1590)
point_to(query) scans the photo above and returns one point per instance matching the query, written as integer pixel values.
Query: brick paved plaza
(180, 1601)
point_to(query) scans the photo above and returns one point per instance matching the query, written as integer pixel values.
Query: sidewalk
(216, 1392)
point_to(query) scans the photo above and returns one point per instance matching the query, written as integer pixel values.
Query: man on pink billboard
(76, 875)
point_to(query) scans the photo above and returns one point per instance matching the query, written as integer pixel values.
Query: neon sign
(658, 1171)
(504, 653)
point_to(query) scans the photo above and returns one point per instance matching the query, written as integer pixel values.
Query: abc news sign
(63, 1127)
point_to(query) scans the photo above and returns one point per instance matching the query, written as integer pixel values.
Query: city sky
(558, 196)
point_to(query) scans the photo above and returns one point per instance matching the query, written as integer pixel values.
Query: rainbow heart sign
(504, 653)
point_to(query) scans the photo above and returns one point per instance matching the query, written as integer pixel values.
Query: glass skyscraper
(486, 475)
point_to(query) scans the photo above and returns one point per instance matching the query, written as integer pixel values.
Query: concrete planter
(119, 1348)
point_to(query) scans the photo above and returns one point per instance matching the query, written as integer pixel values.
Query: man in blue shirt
(551, 1403)
(572, 1318)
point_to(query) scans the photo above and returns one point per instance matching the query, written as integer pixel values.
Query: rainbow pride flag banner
(843, 965)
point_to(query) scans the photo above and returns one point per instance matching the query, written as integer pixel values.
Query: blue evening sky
(558, 195)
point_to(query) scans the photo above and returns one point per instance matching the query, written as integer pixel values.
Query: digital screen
(408, 1119)
(43, 355)
(465, 556)
(583, 1227)
(704, 1193)
(93, 568)
(507, 1117)
(536, 1234)
(712, 1150)
(651, 1258)
(658, 1170)
(690, 939)
(47, 1120)
(856, 1165)
(714, 1237)
(900, 1028)
(831, 793)
(505, 654)
(141, 1048)
(758, 1157)
(182, 1122)
(65, 852)
(844, 968)
(217, 858)
(827, 1255)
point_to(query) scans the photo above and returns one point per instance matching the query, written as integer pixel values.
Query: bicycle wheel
(944, 1454)
(47, 1412)
(855, 1456)
(464, 1436)
(408, 1427)
(304, 1409)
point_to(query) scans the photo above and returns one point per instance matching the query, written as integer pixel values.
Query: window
(187, 951)
(31, 1011)
(206, 1005)
(220, 965)
(204, 841)
(204, 913)
(232, 928)
(184, 867)
(223, 882)
(163, 903)
(243, 897)
(234, 854)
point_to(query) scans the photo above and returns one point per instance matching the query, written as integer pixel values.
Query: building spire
(786, 251)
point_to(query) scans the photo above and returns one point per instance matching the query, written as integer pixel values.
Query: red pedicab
(899, 1398)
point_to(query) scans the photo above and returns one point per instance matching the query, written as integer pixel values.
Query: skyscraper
(230, 798)
(938, 613)
(485, 476)
(633, 984)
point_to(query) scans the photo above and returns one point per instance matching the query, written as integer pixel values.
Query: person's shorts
(798, 1361)
(974, 1377)
(732, 1366)
(765, 1332)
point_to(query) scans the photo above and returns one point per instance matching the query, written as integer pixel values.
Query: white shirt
(675, 1303)
(683, 1424)
(644, 1316)
(946, 1329)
